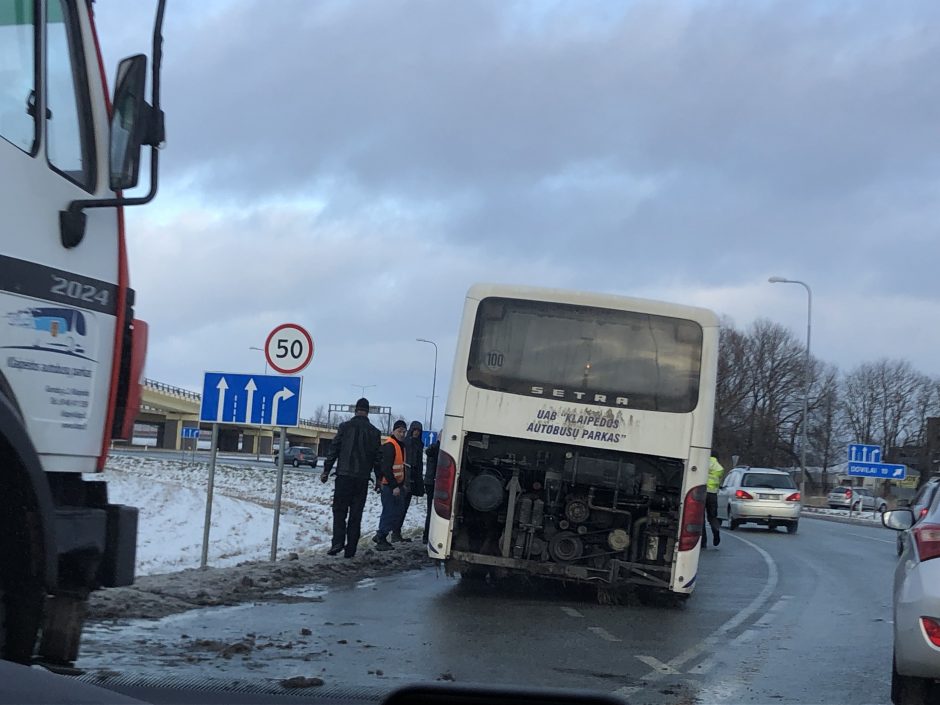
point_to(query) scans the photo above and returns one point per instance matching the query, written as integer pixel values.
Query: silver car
(914, 678)
(760, 496)
(856, 499)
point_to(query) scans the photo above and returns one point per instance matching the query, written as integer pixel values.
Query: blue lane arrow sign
(250, 400)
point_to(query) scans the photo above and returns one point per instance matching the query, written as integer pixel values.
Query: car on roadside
(300, 455)
(759, 496)
(856, 499)
(920, 504)
(915, 676)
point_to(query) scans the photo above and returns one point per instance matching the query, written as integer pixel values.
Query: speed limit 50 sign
(289, 348)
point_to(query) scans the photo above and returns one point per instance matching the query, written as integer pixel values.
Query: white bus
(576, 439)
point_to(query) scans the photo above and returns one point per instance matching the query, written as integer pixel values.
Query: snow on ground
(844, 514)
(171, 497)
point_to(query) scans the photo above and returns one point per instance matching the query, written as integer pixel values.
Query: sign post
(247, 400)
(277, 494)
(208, 522)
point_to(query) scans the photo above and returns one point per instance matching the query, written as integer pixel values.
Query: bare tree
(827, 436)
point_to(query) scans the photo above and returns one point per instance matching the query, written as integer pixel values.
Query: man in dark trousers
(391, 479)
(414, 483)
(356, 446)
(430, 475)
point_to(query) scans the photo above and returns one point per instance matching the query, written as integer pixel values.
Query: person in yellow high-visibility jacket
(715, 471)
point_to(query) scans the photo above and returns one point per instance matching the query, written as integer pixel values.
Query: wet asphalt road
(775, 619)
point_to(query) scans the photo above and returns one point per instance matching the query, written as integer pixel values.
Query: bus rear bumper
(619, 573)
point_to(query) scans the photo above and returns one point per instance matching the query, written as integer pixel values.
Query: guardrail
(172, 391)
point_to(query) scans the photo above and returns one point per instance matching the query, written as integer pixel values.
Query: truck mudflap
(620, 573)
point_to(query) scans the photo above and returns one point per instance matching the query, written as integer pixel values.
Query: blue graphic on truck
(59, 329)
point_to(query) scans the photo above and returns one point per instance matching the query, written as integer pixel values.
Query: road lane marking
(571, 612)
(704, 667)
(743, 637)
(712, 639)
(771, 613)
(658, 666)
(870, 538)
(365, 583)
(603, 633)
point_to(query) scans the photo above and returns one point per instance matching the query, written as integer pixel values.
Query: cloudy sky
(356, 166)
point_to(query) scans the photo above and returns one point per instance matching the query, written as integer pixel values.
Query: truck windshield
(586, 354)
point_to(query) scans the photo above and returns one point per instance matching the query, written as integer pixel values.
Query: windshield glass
(774, 481)
(525, 347)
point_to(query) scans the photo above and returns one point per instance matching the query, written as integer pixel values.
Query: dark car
(300, 455)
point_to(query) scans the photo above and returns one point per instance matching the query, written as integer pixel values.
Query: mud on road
(156, 596)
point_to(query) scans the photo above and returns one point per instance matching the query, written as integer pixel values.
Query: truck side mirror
(130, 120)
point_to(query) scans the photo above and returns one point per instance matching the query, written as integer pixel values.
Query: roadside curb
(840, 520)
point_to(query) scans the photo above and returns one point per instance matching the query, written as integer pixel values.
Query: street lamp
(364, 387)
(806, 373)
(265, 357)
(434, 383)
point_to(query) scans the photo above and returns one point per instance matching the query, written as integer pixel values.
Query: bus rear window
(584, 354)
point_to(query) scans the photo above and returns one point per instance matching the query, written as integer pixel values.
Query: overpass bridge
(171, 409)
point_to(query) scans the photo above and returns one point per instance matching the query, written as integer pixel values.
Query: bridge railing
(172, 391)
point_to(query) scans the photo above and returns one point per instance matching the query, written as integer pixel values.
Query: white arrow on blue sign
(863, 453)
(886, 471)
(250, 400)
(190, 432)
(428, 437)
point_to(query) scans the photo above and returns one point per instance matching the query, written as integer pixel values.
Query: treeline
(759, 404)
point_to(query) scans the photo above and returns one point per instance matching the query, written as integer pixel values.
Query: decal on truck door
(58, 344)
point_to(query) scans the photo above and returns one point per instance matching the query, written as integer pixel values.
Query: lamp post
(806, 374)
(260, 428)
(364, 387)
(434, 382)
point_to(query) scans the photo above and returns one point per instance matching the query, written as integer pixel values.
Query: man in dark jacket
(356, 446)
(391, 478)
(414, 484)
(430, 475)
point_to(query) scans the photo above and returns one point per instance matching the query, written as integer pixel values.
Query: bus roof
(702, 316)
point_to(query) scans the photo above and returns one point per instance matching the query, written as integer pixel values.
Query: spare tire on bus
(486, 492)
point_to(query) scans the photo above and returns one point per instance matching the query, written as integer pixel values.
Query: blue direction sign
(862, 453)
(189, 432)
(428, 437)
(885, 471)
(250, 400)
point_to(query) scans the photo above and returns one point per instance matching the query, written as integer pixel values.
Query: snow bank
(171, 497)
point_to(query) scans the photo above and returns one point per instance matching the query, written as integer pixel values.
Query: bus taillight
(693, 517)
(444, 485)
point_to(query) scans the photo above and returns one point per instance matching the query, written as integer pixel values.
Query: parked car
(761, 496)
(300, 455)
(920, 504)
(916, 669)
(856, 499)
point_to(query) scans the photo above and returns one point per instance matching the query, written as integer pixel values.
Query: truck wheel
(20, 615)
